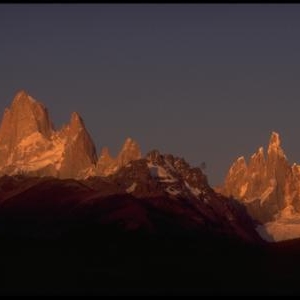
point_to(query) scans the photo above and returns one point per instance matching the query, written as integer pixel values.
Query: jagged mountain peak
(24, 101)
(241, 160)
(22, 96)
(30, 145)
(276, 157)
(129, 140)
(76, 119)
(259, 152)
(240, 163)
(258, 155)
(76, 124)
(24, 118)
(267, 186)
(29, 142)
(108, 165)
(177, 167)
(171, 178)
(274, 140)
(130, 144)
(130, 151)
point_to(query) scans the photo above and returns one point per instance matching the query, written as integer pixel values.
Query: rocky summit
(40, 164)
(30, 145)
(108, 165)
(270, 189)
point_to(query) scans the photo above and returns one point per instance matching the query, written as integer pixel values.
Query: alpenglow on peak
(30, 145)
(274, 140)
(269, 187)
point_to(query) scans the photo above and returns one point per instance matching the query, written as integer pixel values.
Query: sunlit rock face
(30, 145)
(25, 122)
(267, 185)
(79, 151)
(236, 181)
(108, 165)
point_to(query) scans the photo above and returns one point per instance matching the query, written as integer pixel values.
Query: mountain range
(269, 187)
(56, 192)
(40, 163)
(29, 144)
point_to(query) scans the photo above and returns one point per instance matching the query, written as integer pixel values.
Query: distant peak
(76, 120)
(22, 97)
(240, 162)
(295, 168)
(129, 142)
(274, 140)
(21, 93)
(130, 151)
(75, 116)
(105, 152)
(260, 152)
(241, 159)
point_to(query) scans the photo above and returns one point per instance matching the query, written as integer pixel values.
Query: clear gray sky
(206, 82)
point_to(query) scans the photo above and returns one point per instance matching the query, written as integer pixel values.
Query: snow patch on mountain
(195, 191)
(159, 172)
(36, 152)
(170, 190)
(279, 231)
(286, 226)
(131, 188)
(265, 195)
(30, 141)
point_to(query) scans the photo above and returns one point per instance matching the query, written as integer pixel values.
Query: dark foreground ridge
(154, 227)
(114, 262)
(97, 237)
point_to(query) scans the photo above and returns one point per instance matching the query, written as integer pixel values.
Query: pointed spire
(274, 140)
(259, 154)
(239, 165)
(241, 159)
(131, 148)
(76, 124)
(24, 117)
(23, 98)
(130, 144)
(128, 141)
(80, 153)
(105, 153)
(274, 149)
(130, 151)
(257, 164)
(76, 119)
(21, 94)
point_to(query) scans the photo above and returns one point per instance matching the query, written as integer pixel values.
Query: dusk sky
(205, 82)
